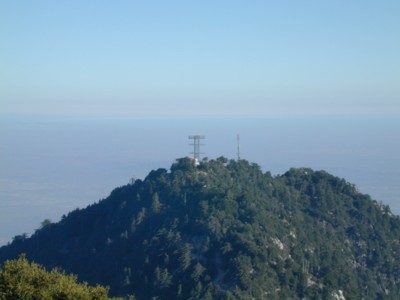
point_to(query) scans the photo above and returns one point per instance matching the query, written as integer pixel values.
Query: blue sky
(203, 58)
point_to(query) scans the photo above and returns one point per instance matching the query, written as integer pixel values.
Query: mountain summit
(226, 230)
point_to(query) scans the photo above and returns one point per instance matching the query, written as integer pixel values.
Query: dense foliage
(226, 230)
(22, 280)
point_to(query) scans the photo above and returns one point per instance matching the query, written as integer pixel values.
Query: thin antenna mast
(238, 147)
(196, 147)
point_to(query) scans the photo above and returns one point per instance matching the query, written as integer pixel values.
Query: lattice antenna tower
(196, 147)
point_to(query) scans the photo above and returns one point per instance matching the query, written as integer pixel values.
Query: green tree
(156, 204)
(186, 256)
(20, 279)
(45, 223)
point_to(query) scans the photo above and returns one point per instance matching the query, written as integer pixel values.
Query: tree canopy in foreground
(20, 279)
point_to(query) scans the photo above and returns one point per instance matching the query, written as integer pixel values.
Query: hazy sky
(271, 63)
(174, 58)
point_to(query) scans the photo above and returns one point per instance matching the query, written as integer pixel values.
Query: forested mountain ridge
(226, 230)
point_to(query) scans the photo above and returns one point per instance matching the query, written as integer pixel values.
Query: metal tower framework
(196, 147)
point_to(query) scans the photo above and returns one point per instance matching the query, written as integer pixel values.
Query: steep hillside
(225, 230)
